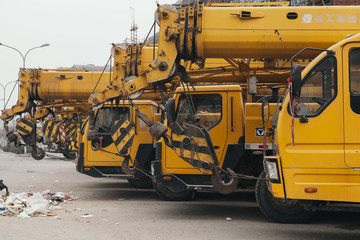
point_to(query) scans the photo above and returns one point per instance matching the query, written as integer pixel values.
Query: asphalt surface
(122, 212)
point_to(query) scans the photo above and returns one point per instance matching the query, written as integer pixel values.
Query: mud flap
(123, 136)
(220, 185)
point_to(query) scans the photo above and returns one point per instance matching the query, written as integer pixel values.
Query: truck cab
(104, 156)
(322, 166)
(221, 111)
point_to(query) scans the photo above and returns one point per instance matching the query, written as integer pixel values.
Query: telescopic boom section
(198, 32)
(52, 86)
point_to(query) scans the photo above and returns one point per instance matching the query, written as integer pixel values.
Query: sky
(78, 31)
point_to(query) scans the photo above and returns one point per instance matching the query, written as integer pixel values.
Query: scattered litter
(86, 215)
(60, 195)
(228, 219)
(23, 215)
(86, 221)
(117, 223)
(26, 205)
(104, 219)
(50, 214)
(75, 209)
(121, 199)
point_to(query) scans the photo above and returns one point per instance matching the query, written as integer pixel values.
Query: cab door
(211, 108)
(318, 123)
(351, 66)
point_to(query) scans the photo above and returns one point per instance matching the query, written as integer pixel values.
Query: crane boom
(198, 32)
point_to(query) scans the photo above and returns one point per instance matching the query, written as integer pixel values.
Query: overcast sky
(78, 31)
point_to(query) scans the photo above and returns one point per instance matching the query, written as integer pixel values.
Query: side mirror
(265, 111)
(296, 80)
(91, 120)
(170, 110)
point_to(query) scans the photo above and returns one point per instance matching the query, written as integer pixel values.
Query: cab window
(318, 89)
(354, 73)
(106, 117)
(207, 106)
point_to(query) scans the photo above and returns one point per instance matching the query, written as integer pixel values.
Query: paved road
(122, 212)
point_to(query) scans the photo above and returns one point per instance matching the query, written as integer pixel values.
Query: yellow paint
(221, 135)
(101, 158)
(325, 155)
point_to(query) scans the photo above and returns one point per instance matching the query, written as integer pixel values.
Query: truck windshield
(207, 106)
(318, 89)
(106, 117)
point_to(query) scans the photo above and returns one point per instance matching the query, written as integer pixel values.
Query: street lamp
(23, 58)
(4, 88)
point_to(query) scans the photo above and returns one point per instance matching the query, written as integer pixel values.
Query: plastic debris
(228, 219)
(23, 215)
(50, 214)
(26, 205)
(86, 215)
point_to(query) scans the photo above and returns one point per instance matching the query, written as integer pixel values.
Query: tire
(168, 195)
(70, 155)
(279, 210)
(62, 147)
(144, 183)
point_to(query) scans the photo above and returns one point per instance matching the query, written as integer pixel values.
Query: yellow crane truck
(102, 155)
(195, 33)
(44, 90)
(113, 154)
(315, 163)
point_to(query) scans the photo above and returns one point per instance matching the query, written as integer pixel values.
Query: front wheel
(168, 194)
(279, 210)
(144, 183)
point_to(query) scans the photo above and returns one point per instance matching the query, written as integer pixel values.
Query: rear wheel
(279, 210)
(168, 194)
(145, 182)
(70, 155)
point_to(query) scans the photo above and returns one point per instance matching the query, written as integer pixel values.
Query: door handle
(304, 120)
(216, 147)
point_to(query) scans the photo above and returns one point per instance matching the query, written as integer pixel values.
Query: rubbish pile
(26, 205)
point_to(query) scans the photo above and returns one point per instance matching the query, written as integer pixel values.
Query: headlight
(272, 171)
